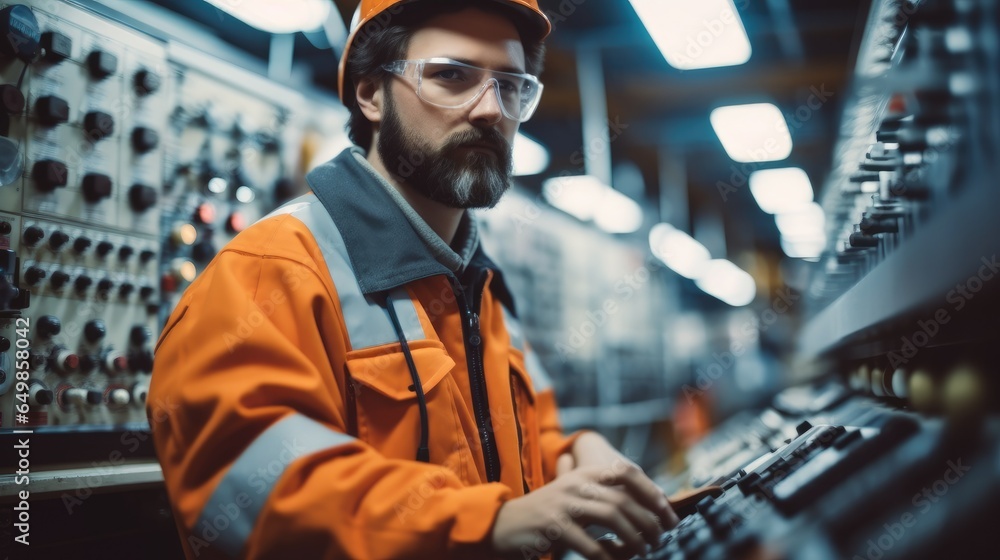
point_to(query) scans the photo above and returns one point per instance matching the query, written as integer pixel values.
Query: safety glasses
(450, 84)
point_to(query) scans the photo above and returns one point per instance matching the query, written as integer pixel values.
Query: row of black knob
(56, 47)
(33, 235)
(51, 110)
(94, 330)
(50, 174)
(34, 276)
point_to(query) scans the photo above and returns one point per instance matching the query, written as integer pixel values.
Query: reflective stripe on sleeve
(243, 491)
(367, 322)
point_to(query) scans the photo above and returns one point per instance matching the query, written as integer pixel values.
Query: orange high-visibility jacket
(283, 402)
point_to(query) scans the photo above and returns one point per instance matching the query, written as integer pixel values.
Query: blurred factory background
(735, 222)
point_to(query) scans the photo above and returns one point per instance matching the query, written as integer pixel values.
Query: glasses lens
(453, 85)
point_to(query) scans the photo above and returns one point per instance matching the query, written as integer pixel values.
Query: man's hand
(589, 450)
(619, 497)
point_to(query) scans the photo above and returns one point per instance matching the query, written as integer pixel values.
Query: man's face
(460, 157)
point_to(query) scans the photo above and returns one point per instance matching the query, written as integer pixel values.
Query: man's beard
(451, 175)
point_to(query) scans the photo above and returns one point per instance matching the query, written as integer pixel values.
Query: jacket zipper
(477, 375)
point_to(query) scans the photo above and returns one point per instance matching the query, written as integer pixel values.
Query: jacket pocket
(523, 395)
(385, 402)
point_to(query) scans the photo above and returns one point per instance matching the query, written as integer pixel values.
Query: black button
(105, 286)
(94, 397)
(59, 279)
(475, 340)
(125, 252)
(34, 275)
(139, 335)
(126, 290)
(49, 326)
(56, 47)
(804, 427)
(96, 187)
(146, 255)
(6, 228)
(98, 125)
(144, 139)
(33, 235)
(43, 396)
(102, 64)
(103, 248)
(57, 240)
(142, 197)
(82, 283)
(51, 110)
(81, 244)
(49, 174)
(94, 330)
(146, 82)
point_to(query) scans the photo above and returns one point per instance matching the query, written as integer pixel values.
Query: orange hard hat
(534, 25)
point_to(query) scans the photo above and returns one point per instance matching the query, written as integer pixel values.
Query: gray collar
(466, 238)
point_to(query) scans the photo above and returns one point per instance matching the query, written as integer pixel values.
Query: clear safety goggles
(450, 84)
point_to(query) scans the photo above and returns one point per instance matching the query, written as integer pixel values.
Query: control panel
(127, 160)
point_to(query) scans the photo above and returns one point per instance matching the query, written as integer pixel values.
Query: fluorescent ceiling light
(728, 282)
(809, 221)
(577, 195)
(530, 157)
(781, 190)
(586, 198)
(752, 133)
(808, 248)
(679, 251)
(277, 16)
(691, 35)
(618, 213)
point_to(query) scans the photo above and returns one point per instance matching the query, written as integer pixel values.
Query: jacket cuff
(477, 508)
